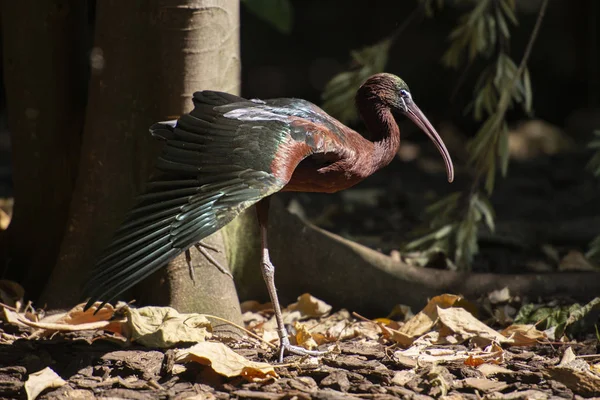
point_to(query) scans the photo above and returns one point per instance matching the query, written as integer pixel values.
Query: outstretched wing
(218, 160)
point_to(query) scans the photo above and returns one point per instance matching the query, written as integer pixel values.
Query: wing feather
(210, 176)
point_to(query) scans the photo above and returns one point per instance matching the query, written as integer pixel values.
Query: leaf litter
(452, 348)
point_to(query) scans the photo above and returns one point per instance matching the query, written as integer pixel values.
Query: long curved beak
(416, 115)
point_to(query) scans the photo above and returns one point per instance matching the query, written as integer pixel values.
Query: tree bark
(148, 59)
(45, 76)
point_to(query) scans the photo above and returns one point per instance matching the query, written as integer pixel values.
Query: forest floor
(441, 352)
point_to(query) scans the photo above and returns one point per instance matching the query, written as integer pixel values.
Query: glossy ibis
(229, 153)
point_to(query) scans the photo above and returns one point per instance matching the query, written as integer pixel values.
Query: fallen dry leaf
(303, 337)
(424, 321)
(499, 296)
(165, 327)
(6, 211)
(523, 334)
(307, 306)
(255, 306)
(401, 378)
(344, 330)
(432, 354)
(77, 316)
(493, 354)
(40, 381)
(576, 261)
(466, 326)
(226, 362)
(536, 137)
(484, 385)
(493, 369)
(424, 352)
(43, 327)
(575, 374)
(401, 312)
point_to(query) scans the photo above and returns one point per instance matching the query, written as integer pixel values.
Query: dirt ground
(366, 366)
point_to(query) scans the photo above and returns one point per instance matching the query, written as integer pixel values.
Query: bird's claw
(201, 247)
(286, 346)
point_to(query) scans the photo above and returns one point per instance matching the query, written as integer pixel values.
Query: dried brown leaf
(523, 334)
(307, 306)
(20, 319)
(424, 321)
(40, 381)
(164, 326)
(493, 369)
(463, 324)
(303, 337)
(575, 374)
(226, 362)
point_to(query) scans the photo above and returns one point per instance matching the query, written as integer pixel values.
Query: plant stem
(507, 91)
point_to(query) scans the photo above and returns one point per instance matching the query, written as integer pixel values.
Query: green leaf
(503, 150)
(485, 207)
(433, 236)
(580, 312)
(502, 24)
(478, 145)
(444, 204)
(594, 163)
(429, 6)
(528, 91)
(509, 11)
(466, 239)
(278, 13)
(478, 12)
(490, 178)
(544, 317)
(594, 250)
(492, 33)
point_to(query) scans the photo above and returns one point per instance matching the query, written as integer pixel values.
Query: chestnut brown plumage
(229, 153)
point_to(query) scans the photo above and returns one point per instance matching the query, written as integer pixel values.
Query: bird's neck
(384, 130)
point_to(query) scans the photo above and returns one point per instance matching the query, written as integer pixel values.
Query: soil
(358, 368)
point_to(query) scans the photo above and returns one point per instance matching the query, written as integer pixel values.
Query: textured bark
(151, 56)
(44, 46)
(208, 30)
(349, 275)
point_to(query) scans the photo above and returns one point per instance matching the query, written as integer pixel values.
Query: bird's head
(392, 92)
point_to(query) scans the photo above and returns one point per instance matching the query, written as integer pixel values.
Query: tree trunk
(148, 59)
(45, 77)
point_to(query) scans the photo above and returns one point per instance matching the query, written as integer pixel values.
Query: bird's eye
(405, 93)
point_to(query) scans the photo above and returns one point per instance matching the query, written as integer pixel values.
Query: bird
(230, 153)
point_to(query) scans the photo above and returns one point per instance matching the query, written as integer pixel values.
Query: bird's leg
(268, 271)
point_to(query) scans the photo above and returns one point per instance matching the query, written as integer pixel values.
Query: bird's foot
(287, 347)
(202, 249)
(299, 351)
